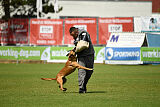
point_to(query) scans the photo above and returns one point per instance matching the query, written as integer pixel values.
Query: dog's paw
(91, 69)
(64, 89)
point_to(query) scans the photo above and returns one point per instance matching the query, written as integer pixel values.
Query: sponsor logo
(46, 54)
(109, 53)
(114, 38)
(79, 21)
(100, 55)
(61, 52)
(46, 29)
(151, 54)
(46, 32)
(115, 28)
(115, 20)
(122, 53)
(18, 54)
(3, 25)
(46, 22)
(84, 27)
(126, 54)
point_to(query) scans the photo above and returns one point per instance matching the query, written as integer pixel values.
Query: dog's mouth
(71, 55)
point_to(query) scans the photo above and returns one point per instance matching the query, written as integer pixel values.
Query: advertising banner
(150, 24)
(18, 31)
(21, 53)
(126, 40)
(88, 24)
(4, 31)
(46, 31)
(109, 25)
(51, 54)
(150, 55)
(14, 31)
(58, 54)
(122, 55)
(99, 54)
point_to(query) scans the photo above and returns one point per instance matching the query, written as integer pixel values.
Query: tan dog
(69, 67)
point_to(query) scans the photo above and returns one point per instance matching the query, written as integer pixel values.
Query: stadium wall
(105, 8)
(54, 35)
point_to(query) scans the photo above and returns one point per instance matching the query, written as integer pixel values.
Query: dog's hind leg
(60, 82)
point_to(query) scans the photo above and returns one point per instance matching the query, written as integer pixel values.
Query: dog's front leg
(75, 64)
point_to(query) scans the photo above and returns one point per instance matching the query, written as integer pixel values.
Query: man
(85, 56)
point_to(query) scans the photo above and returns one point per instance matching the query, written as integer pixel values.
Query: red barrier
(88, 24)
(4, 31)
(108, 25)
(50, 31)
(46, 31)
(18, 31)
(14, 31)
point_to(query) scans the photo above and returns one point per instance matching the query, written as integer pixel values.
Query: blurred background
(46, 23)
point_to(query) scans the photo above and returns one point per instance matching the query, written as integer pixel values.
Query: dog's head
(71, 54)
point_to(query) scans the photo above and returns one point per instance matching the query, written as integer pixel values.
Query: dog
(70, 67)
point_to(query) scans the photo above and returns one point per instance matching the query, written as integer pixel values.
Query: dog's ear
(74, 49)
(67, 54)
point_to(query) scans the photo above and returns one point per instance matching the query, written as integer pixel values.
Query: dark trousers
(84, 75)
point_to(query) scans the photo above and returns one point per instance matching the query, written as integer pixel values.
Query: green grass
(109, 86)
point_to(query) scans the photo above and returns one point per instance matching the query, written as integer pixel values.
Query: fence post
(63, 29)
(97, 31)
(29, 32)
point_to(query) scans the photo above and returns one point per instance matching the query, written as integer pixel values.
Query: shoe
(82, 91)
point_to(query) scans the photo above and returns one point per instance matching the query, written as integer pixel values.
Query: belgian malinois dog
(69, 67)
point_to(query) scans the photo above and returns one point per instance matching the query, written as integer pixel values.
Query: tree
(25, 8)
(5, 5)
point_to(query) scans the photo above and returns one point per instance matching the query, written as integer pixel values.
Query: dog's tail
(49, 79)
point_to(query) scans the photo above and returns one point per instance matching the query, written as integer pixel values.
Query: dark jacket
(84, 35)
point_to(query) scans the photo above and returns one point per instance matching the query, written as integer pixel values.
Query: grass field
(110, 86)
